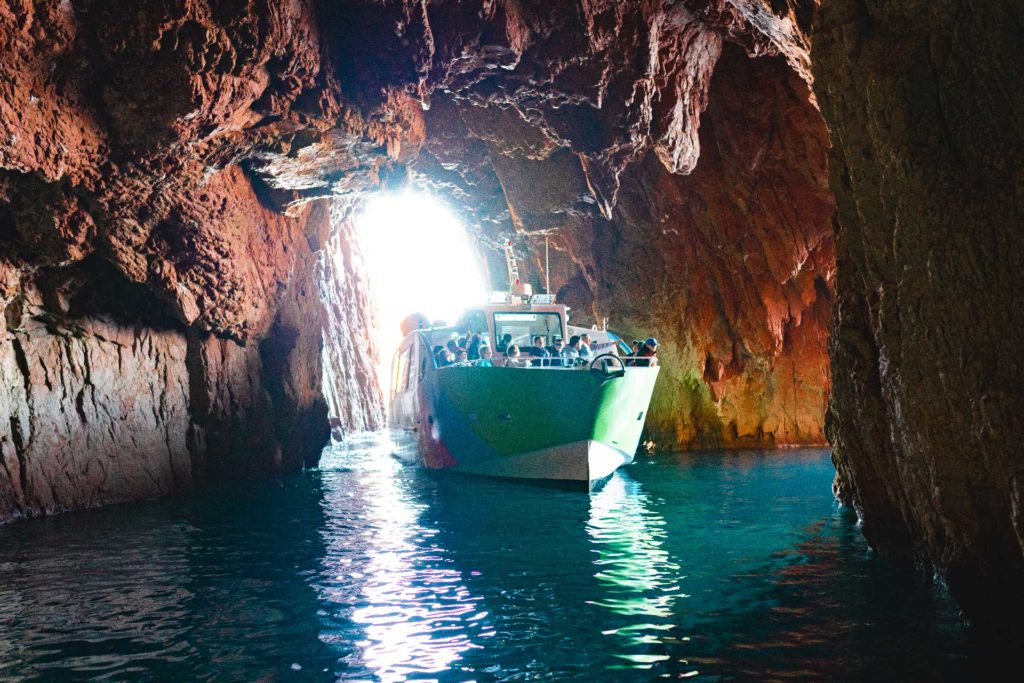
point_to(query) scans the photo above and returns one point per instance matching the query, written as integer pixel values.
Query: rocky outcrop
(107, 397)
(926, 118)
(161, 243)
(675, 161)
(96, 412)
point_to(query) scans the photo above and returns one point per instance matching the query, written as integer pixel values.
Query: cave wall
(925, 110)
(675, 160)
(165, 175)
(730, 267)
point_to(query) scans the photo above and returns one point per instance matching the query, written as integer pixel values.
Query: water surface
(715, 566)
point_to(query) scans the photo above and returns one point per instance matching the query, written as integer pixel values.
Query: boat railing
(555, 363)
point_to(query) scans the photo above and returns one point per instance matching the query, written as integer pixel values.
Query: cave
(815, 206)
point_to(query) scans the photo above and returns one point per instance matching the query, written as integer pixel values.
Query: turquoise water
(712, 566)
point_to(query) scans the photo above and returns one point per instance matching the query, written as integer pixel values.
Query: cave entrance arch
(418, 258)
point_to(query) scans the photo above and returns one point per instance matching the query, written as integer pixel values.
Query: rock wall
(675, 159)
(93, 413)
(161, 239)
(106, 396)
(926, 116)
(730, 267)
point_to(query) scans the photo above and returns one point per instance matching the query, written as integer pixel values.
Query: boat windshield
(525, 326)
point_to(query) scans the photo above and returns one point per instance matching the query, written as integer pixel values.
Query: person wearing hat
(648, 353)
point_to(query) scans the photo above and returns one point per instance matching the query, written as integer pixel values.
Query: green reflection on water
(640, 581)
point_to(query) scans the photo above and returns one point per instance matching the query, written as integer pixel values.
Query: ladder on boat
(512, 264)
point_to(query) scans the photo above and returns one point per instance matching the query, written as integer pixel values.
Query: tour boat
(573, 424)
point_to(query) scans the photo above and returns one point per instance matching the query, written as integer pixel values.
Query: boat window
(402, 371)
(525, 326)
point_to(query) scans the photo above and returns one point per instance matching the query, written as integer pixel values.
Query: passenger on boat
(584, 347)
(473, 352)
(571, 353)
(460, 356)
(442, 356)
(555, 351)
(513, 359)
(648, 354)
(485, 357)
(504, 343)
(537, 352)
(452, 345)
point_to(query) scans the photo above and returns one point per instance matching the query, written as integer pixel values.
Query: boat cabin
(523, 318)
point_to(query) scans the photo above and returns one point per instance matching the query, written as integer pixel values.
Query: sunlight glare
(418, 258)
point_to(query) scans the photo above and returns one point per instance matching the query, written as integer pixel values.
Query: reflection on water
(715, 566)
(414, 612)
(640, 581)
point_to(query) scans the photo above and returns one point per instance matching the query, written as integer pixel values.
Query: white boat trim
(582, 461)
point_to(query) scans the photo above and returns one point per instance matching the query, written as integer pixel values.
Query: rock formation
(163, 275)
(926, 117)
(675, 160)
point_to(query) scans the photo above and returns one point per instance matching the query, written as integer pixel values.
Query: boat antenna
(547, 267)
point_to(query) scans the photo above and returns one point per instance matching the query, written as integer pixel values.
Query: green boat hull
(530, 423)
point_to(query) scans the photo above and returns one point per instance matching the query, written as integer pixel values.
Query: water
(712, 566)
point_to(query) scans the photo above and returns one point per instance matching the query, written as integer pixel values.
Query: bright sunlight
(418, 258)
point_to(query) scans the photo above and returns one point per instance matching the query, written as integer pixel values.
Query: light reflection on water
(415, 612)
(639, 578)
(714, 566)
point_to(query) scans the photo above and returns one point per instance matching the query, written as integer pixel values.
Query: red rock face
(925, 112)
(161, 258)
(676, 161)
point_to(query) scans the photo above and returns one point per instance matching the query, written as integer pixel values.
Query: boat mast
(547, 267)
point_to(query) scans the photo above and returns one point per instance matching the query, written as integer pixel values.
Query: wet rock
(925, 116)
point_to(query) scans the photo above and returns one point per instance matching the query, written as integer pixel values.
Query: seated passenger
(473, 351)
(571, 353)
(485, 357)
(442, 357)
(504, 343)
(555, 351)
(512, 358)
(537, 356)
(460, 356)
(634, 353)
(452, 345)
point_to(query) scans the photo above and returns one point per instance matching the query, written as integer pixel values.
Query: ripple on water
(708, 565)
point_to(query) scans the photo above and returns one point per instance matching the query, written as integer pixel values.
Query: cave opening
(418, 258)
